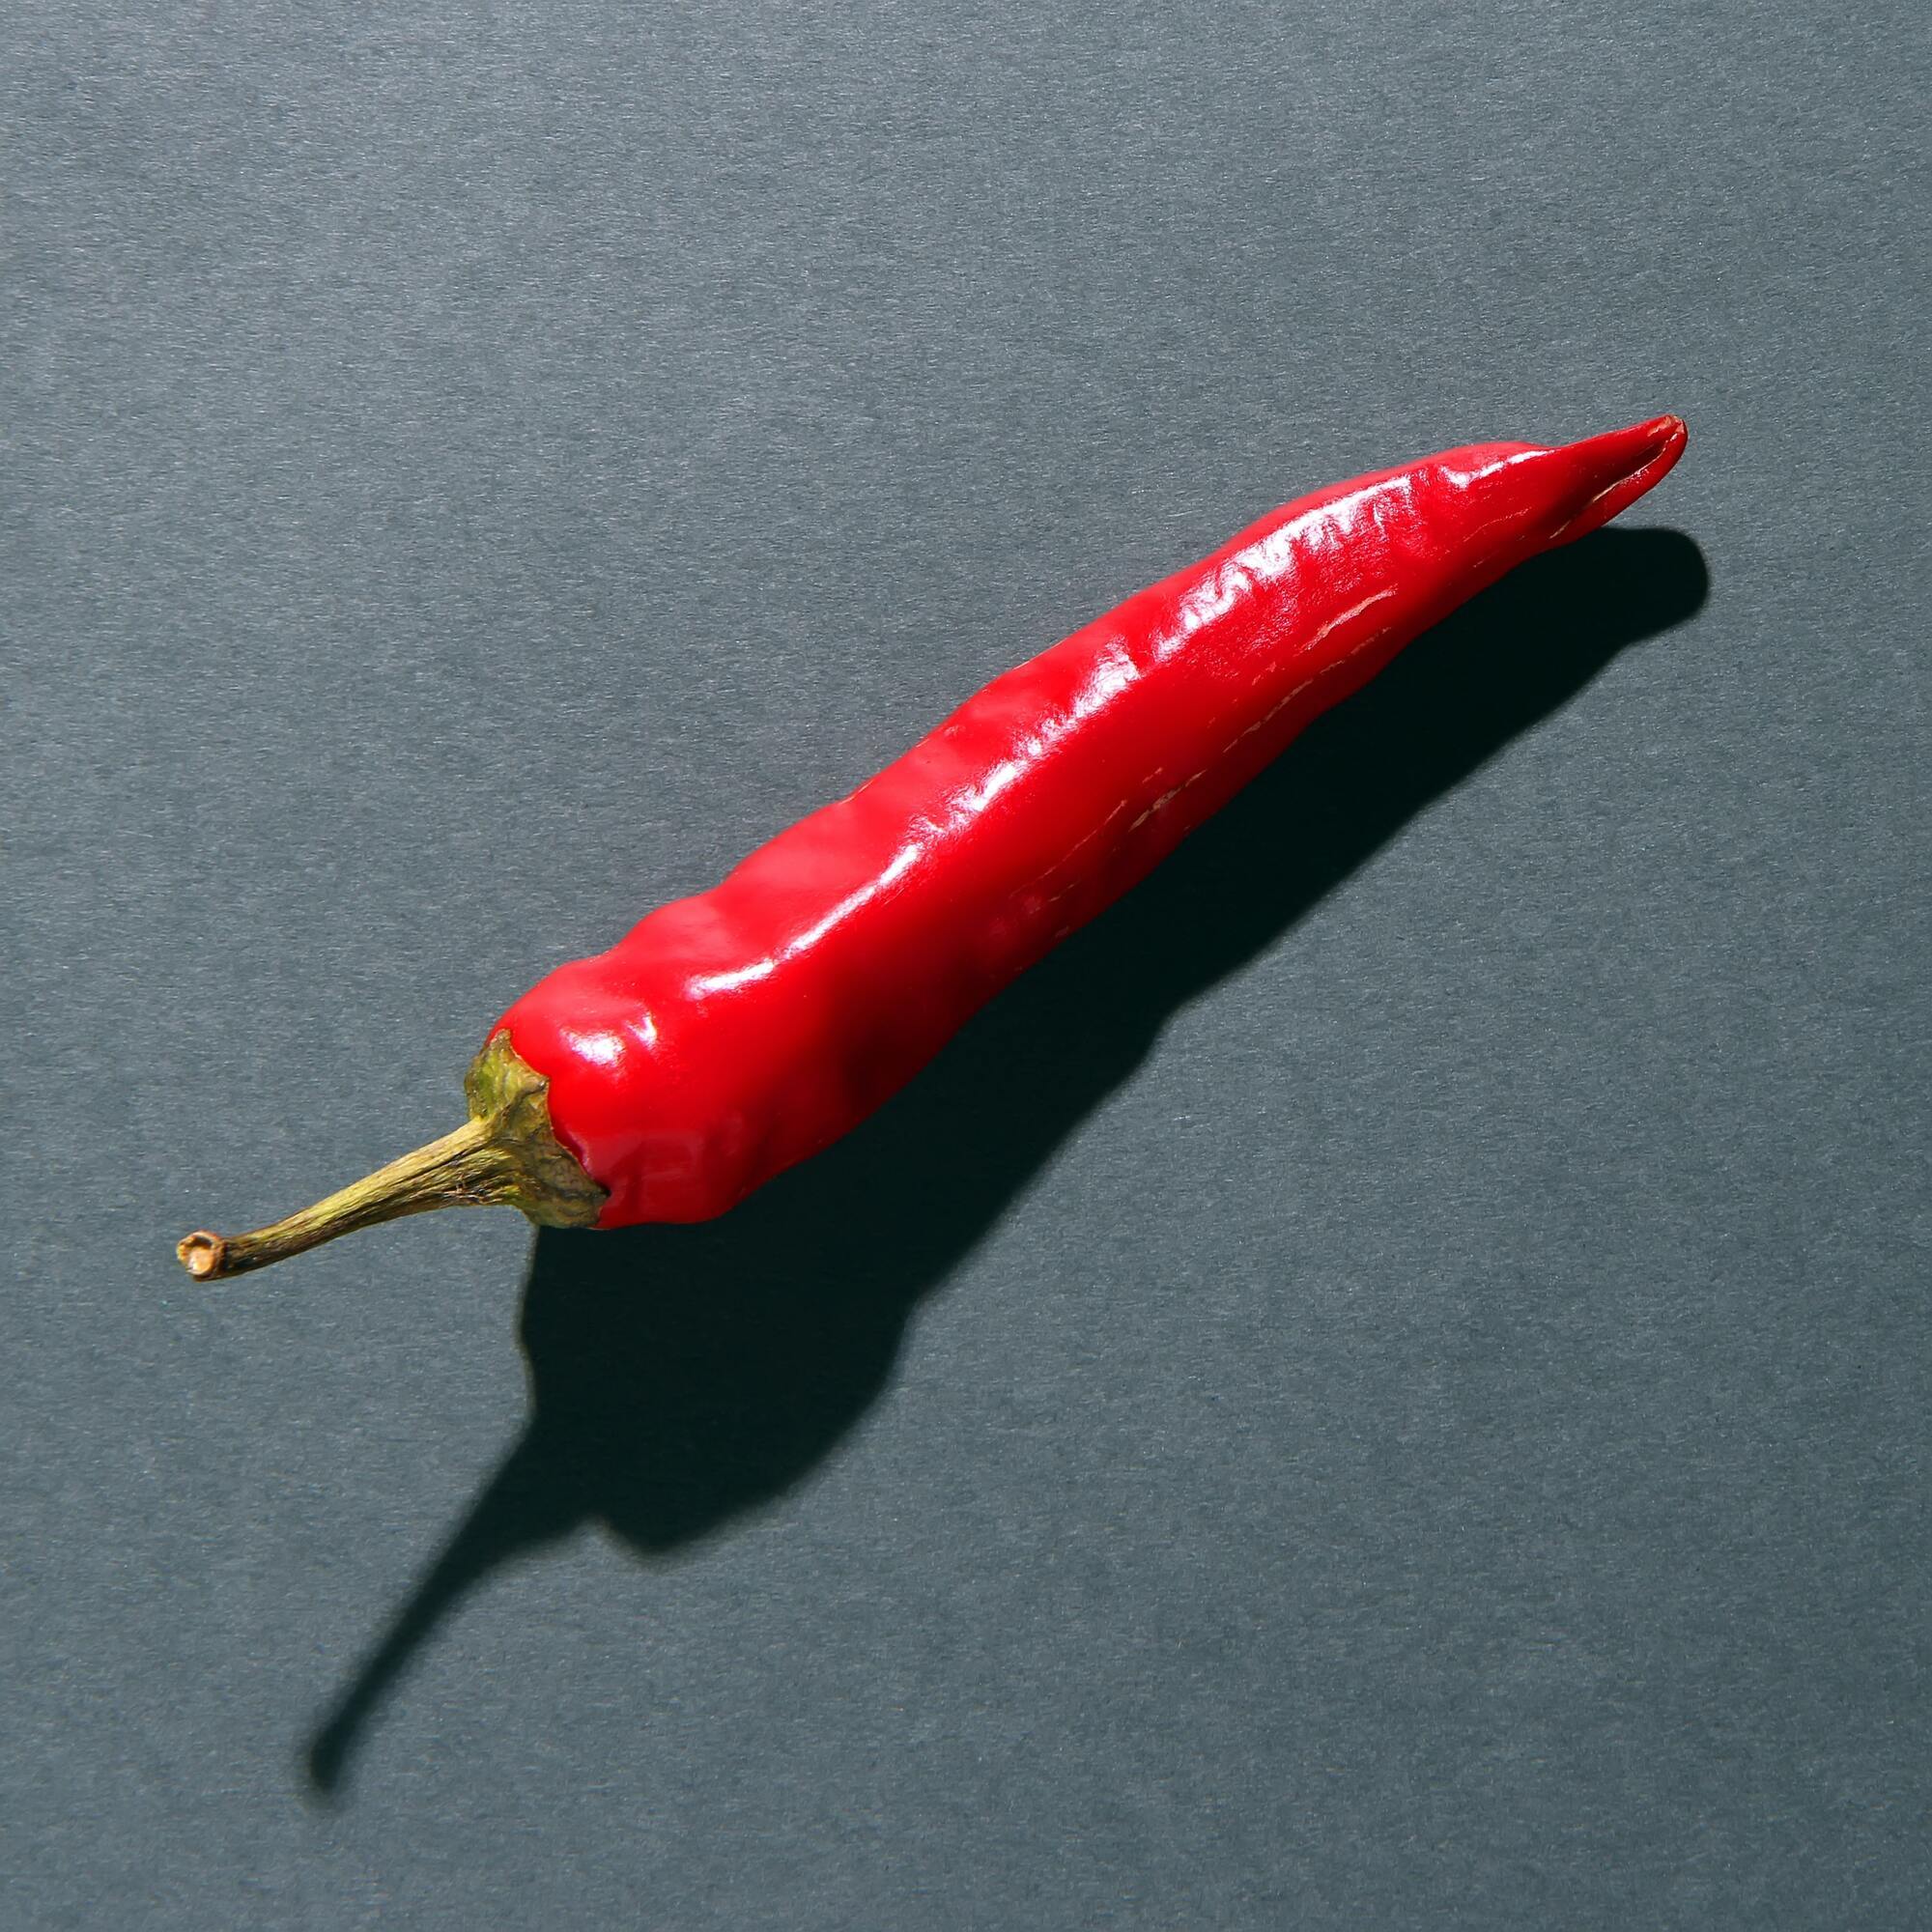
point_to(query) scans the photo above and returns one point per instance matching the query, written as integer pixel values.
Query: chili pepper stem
(506, 1154)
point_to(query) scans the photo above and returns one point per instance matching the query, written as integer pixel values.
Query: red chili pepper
(730, 1035)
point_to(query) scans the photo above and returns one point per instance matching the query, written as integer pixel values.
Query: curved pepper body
(730, 1035)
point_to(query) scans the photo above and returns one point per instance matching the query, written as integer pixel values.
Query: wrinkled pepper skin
(730, 1035)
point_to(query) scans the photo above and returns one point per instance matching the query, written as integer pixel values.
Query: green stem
(506, 1156)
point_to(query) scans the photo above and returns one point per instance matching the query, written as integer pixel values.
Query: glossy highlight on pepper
(732, 1035)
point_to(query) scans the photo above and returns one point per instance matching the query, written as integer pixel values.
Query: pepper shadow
(681, 1377)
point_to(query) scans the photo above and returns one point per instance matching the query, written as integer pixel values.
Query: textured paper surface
(1385, 1385)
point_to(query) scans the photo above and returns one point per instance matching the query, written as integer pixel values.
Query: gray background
(1386, 1385)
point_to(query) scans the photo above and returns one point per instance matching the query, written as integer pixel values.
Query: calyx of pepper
(506, 1156)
